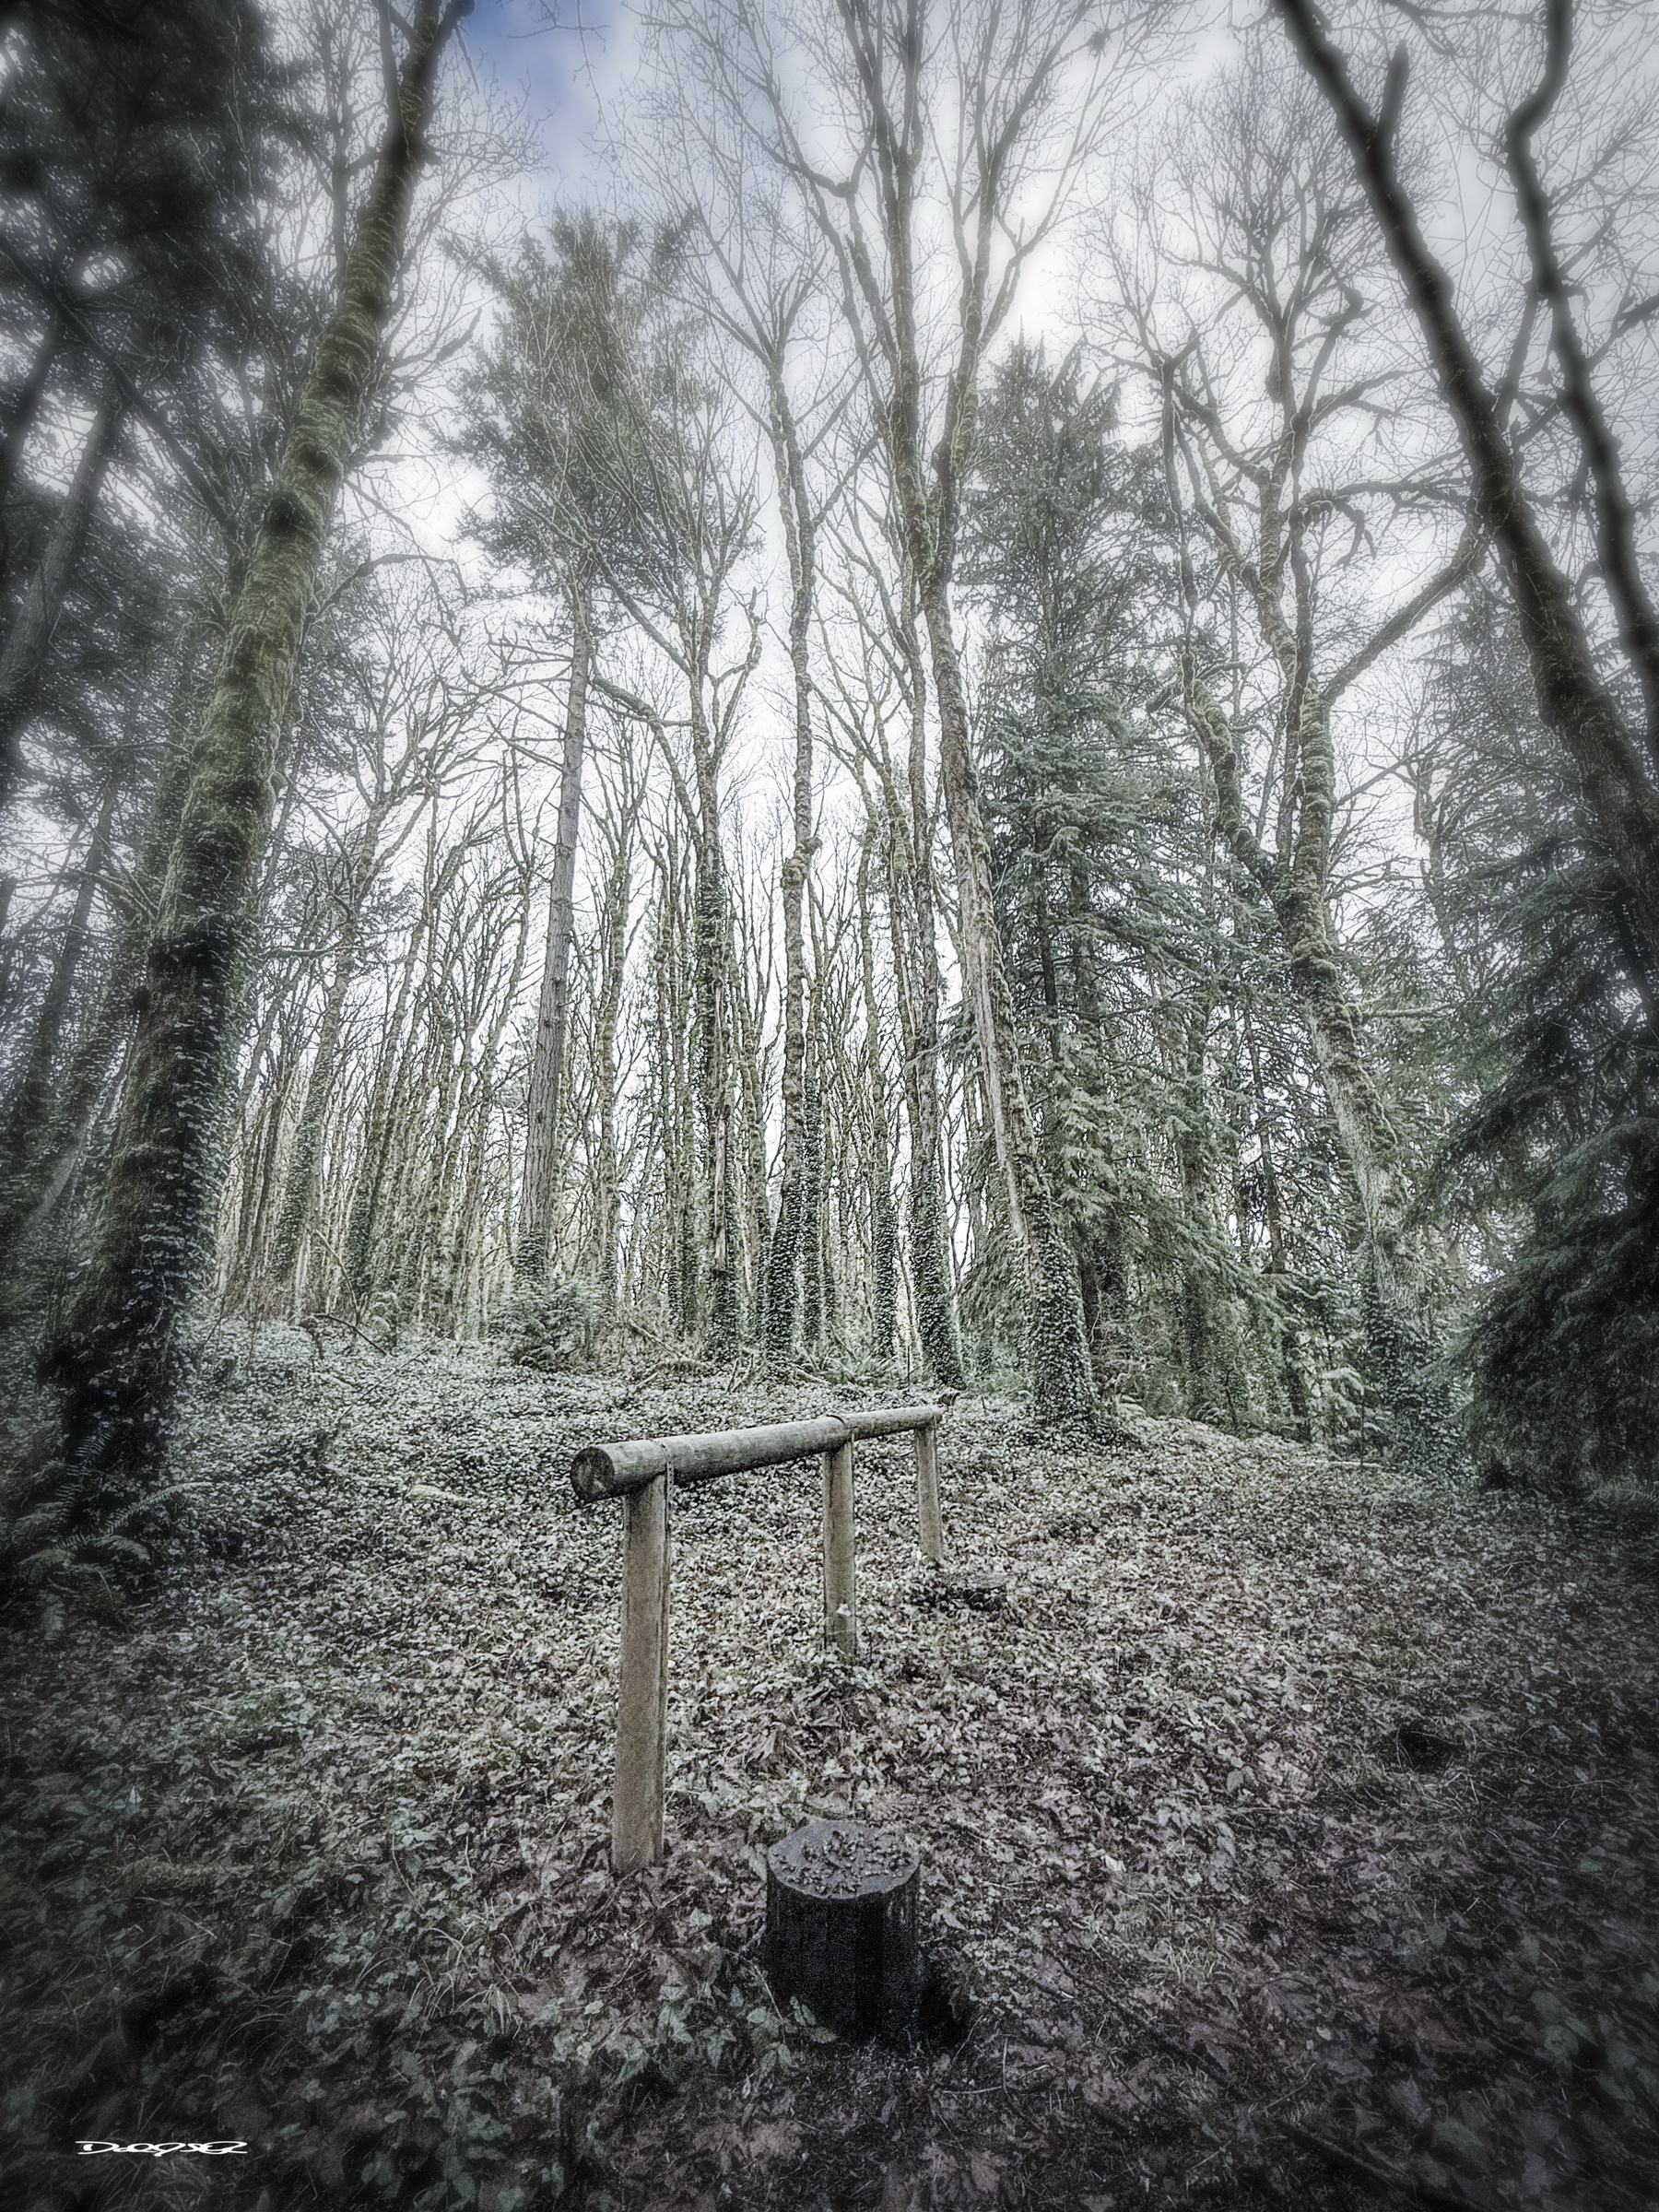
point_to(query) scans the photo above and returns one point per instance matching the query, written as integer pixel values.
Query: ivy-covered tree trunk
(884, 1222)
(1403, 1360)
(812, 1184)
(1294, 888)
(1205, 1384)
(1293, 1370)
(553, 1007)
(1056, 1349)
(916, 974)
(784, 1257)
(613, 962)
(676, 1125)
(118, 1358)
(1102, 1260)
(722, 1318)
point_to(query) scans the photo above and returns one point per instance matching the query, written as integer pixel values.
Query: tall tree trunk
(884, 1224)
(118, 1359)
(472, 1129)
(678, 1112)
(812, 1184)
(375, 1163)
(1573, 700)
(19, 422)
(722, 1319)
(430, 1163)
(920, 989)
(756, 1215)
(27, 1109)
(552, 1015)
(666, 1120)
(1294, 888)
(1292, 1365)
(1057, 1350)
(24, 652)
(784, 1254)
(299, 1190)
(609, 1193)
(1205, 1384)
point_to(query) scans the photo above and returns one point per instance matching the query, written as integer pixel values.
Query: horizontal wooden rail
(638, 1473)
(612, 1470)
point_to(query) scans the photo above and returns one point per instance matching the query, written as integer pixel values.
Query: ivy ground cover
(1288, 1831)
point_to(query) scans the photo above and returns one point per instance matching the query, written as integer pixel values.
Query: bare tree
(118, 1359)
(1007, 101)
(1281, 477)
(1575, 700)
(407, 718)
(885, 682)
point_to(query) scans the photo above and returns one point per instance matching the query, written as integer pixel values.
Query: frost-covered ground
(1294, 1829)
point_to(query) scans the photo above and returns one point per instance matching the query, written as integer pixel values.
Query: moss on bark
(118, 1358)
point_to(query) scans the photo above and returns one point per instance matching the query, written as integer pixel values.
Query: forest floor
(1293, 1828)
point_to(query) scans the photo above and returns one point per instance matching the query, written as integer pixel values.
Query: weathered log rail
(638, 1473)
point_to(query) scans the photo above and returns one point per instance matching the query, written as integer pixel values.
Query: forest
(753, 713)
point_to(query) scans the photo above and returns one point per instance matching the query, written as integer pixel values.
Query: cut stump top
(844, 1858)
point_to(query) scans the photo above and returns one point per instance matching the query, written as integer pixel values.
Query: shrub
(550, 1325)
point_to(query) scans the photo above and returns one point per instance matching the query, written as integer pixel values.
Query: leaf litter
(1287, 1829)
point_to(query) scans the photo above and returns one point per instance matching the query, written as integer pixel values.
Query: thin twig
(1374, 2170)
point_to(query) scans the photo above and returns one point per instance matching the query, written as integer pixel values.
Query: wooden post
(841, 1611)
(642, 1687)
(639, 1472)
(927, 1493)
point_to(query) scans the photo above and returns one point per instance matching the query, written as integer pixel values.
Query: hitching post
(841, 1615)
(638, 1473)
(926, 1438)
(643, 1690)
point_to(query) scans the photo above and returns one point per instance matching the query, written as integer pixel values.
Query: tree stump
(840, 1925)
(980, 1593)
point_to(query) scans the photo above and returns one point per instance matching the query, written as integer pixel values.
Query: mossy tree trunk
(1298, 1389)
(723, 1309)
(1261, 501)
(1208, 1394)
(1294, 886)
(118, 1358)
